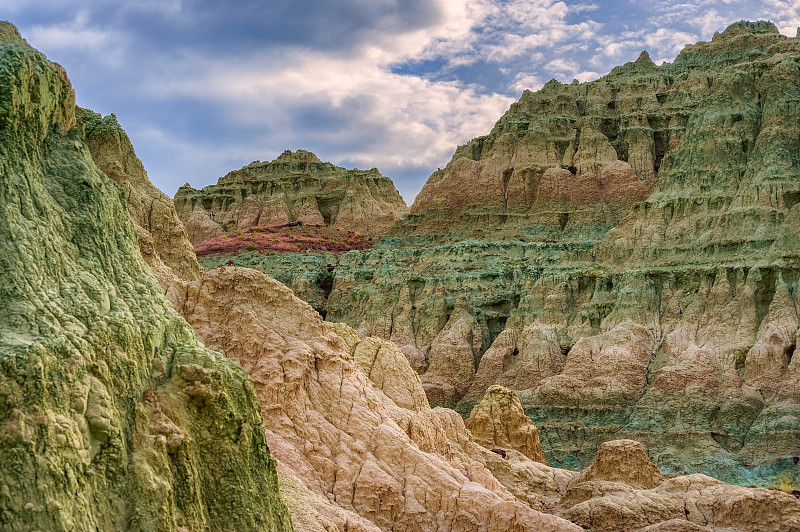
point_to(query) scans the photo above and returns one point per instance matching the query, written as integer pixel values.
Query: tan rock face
(328, 424)
(452, 357)
(498, 421)
(611, 495)
(295, 187)
(623, 461)
(387, 367)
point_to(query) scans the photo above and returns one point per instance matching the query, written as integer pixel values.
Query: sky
(203, 87)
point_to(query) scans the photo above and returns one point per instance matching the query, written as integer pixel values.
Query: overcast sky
(203, 87)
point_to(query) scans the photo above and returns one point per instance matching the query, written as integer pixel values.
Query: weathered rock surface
(112, 415)
(331, 432)
(652, 295)
(422, 430)
(295, 187)
(610, 496)
(151, 209)
(498, 421)
(623, 461)
(328, 424)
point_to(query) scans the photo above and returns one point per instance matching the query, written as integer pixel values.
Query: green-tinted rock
(112, 415)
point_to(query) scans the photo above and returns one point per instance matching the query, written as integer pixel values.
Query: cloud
(526, 81)
(203, 88)
(366, 113)
(73, 35)
(668, 42)
(786, 13)
(583, 77)
(561, 68)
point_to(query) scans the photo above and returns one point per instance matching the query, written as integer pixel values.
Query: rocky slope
(113, 416)
(498, 422)
(651, 294)
(295, 187)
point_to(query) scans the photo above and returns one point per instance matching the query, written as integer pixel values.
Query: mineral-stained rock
(99, 427)
(650, 215)
(387, 367)
(296, 186)
(311, 512)
(346, 445)
(698, 499)
(420, 429)
(453, 355)
(151, 209)
(498, 421)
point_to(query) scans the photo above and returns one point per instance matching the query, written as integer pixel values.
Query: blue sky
(203, 87)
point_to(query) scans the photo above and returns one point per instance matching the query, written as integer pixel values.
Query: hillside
(623, 253)
(113, 415)
(295, 187)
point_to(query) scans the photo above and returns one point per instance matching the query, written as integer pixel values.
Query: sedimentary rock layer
(295, 187)
(498, 422)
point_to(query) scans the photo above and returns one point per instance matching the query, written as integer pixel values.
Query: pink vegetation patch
(289, 238)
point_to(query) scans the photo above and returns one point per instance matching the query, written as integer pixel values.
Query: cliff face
(113, 416)
(651, 294)
(575, 157)
(295, 187)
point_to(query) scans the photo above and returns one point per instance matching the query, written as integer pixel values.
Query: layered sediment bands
(348, 453)
(112, 415)
(651, 294)
(295, 187)
(347, 415)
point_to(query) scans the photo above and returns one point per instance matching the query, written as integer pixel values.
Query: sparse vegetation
(786, 484)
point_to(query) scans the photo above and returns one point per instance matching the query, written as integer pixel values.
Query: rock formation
(622, 253)
(622, 490)
(359, 448)
(326, 422)
(113, 416)
(498, 421)
(295, 187)
(623, 461)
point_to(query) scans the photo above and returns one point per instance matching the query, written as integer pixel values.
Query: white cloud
(562, 68)
(511, 30)
(710, 22)
(666, 41)
(393, 120)
(785, 14)
(525, 81)
(583, 77)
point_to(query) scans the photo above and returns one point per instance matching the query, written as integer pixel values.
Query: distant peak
(9, 32)
(644, 57)
(298, 156)
(742, 27)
